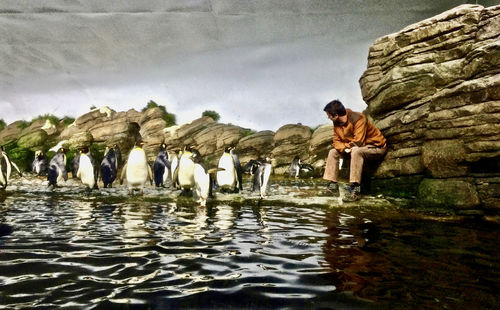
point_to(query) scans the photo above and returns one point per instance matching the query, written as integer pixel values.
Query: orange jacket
(357, 131)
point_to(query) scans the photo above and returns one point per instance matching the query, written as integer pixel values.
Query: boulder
(33, 140)
(79, 140)
(254, 146)
(433, 89)
(290, 141)
(11, 132)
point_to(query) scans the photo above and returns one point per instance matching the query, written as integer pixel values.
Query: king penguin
(136, 170)
(237, 166)
(57, 168)
(227, 178)
(39, 165)
(184, 174)
(109, 167)
(174, 163)
(6, 166)
(87, 169)
(161, 166)
(203, 179)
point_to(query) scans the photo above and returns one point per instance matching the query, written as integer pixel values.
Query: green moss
(19, 155)
(2, 124)
(68, 120)
(33, 140)
(402, 187)
(169, 118)
(23, 124)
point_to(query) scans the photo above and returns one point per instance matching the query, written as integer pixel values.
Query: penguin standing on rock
(227, 177)
(136, 170)
(184, 174)
(109, 167)
(6, 166)
(161, 166)
(57, 168)
(203, 180)
(237, 167)
(174, 162)
(295, 167)
(261, 170)
(87, 170)
(39, 165)
(118, 156)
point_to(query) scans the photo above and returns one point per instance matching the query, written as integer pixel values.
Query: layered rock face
(433, 89)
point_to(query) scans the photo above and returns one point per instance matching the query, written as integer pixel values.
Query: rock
(33, 140)
(290, 141)
(254, 146)
(433, 89)
(450, 193)
(79, 140)
(11, 132)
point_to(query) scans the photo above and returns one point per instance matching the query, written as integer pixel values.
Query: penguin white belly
(186, 172)
(173, 166)
(137, 169)
(226, 178)
(202, 184)
(86, 171)
(265, 179)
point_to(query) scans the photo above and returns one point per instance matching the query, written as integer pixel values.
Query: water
(102, 251)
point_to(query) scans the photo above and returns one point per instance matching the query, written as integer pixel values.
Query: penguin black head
(84, 150)
(2, 148)
(163, 147)
(62, 150)
(139, 143)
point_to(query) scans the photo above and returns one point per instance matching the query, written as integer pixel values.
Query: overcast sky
(260, 64)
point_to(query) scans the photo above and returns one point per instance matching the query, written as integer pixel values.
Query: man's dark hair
(335, 107)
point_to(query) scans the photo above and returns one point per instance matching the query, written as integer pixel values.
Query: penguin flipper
(124, 173)
(17, 168)
(150, 175)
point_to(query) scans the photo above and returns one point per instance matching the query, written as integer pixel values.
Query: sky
(260, 64)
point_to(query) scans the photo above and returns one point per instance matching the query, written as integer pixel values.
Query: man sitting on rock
(354, 135)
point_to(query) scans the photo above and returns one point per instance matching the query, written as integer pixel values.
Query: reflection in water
(83, 253)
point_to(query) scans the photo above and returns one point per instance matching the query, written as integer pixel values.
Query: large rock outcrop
(433, 89)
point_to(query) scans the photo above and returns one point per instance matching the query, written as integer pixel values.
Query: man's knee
(356, 151)
(334, 153)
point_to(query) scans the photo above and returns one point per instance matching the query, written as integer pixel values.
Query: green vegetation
(93, 107)
(23, 124)
(214, 115)
(21, 156)
(52, 118)
(169, 118)
(2, 124)
(248, 132)
(67, 120)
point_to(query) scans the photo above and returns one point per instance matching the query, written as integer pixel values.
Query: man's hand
(347, 150)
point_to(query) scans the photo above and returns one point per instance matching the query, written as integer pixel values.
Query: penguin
(306, 170)
(39, 165)
(74, 165)
(237, 166)
(57, 168)
(174, 162)
(6, 166)
(295, 167)
(109, 167)
(227, 178)
(136, 170)
(203, 179)
(184, 173)
(87, 169)
(261, 172)
(161, 166)
(118, 155)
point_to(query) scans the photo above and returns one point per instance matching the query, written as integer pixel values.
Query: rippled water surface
(87, 251)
